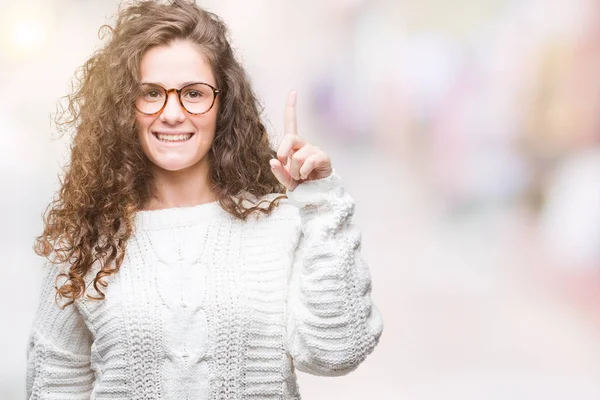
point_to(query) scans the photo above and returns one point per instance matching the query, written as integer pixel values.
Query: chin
(174, 165)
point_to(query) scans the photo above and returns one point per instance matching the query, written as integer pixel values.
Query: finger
(288, 146)
(282, 175)
(298, 159)
(315, 160)
(290, 125)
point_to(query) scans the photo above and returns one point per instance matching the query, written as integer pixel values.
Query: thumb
(282, 175)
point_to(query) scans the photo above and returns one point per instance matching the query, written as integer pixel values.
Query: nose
(173, 113)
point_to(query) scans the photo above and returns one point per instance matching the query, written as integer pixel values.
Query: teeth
(174, 138)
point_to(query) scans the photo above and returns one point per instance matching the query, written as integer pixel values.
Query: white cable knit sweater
(209, 307)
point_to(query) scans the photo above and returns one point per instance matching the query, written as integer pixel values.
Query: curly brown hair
(109, 178)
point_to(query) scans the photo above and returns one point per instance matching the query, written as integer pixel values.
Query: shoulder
(282, 208)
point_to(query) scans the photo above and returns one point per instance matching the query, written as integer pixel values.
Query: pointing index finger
(290, 125)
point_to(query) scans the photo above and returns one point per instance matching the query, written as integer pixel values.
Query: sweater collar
(177, 216)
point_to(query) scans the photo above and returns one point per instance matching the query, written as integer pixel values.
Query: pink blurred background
(468, 134)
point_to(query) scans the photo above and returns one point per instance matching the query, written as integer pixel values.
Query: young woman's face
(173, 66)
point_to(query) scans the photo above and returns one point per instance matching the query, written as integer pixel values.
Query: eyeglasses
(196, 98)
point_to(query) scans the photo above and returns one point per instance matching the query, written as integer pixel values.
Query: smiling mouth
(171, 138)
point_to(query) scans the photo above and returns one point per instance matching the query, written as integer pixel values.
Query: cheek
(206, 124)
(142, 124)
(214, 115)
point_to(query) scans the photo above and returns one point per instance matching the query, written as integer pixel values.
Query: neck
(183, 188)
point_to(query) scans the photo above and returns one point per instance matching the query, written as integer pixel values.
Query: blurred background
(468, 133)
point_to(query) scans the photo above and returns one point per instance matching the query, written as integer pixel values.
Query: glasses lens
(197, 98)
(151, 99)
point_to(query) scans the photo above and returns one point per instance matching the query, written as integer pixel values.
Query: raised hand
(297, 160)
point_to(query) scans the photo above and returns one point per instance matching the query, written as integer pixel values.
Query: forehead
(174, 64)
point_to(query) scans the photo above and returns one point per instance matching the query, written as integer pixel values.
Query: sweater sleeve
(332, 323)
(59, 347)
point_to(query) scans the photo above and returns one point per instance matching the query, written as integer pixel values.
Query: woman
(182, 265)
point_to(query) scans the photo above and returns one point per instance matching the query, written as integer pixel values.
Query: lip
(171, 144)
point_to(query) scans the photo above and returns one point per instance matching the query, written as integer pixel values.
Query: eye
(153, 93)
(194, 94)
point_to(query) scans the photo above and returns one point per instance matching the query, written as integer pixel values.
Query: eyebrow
(182, 85)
